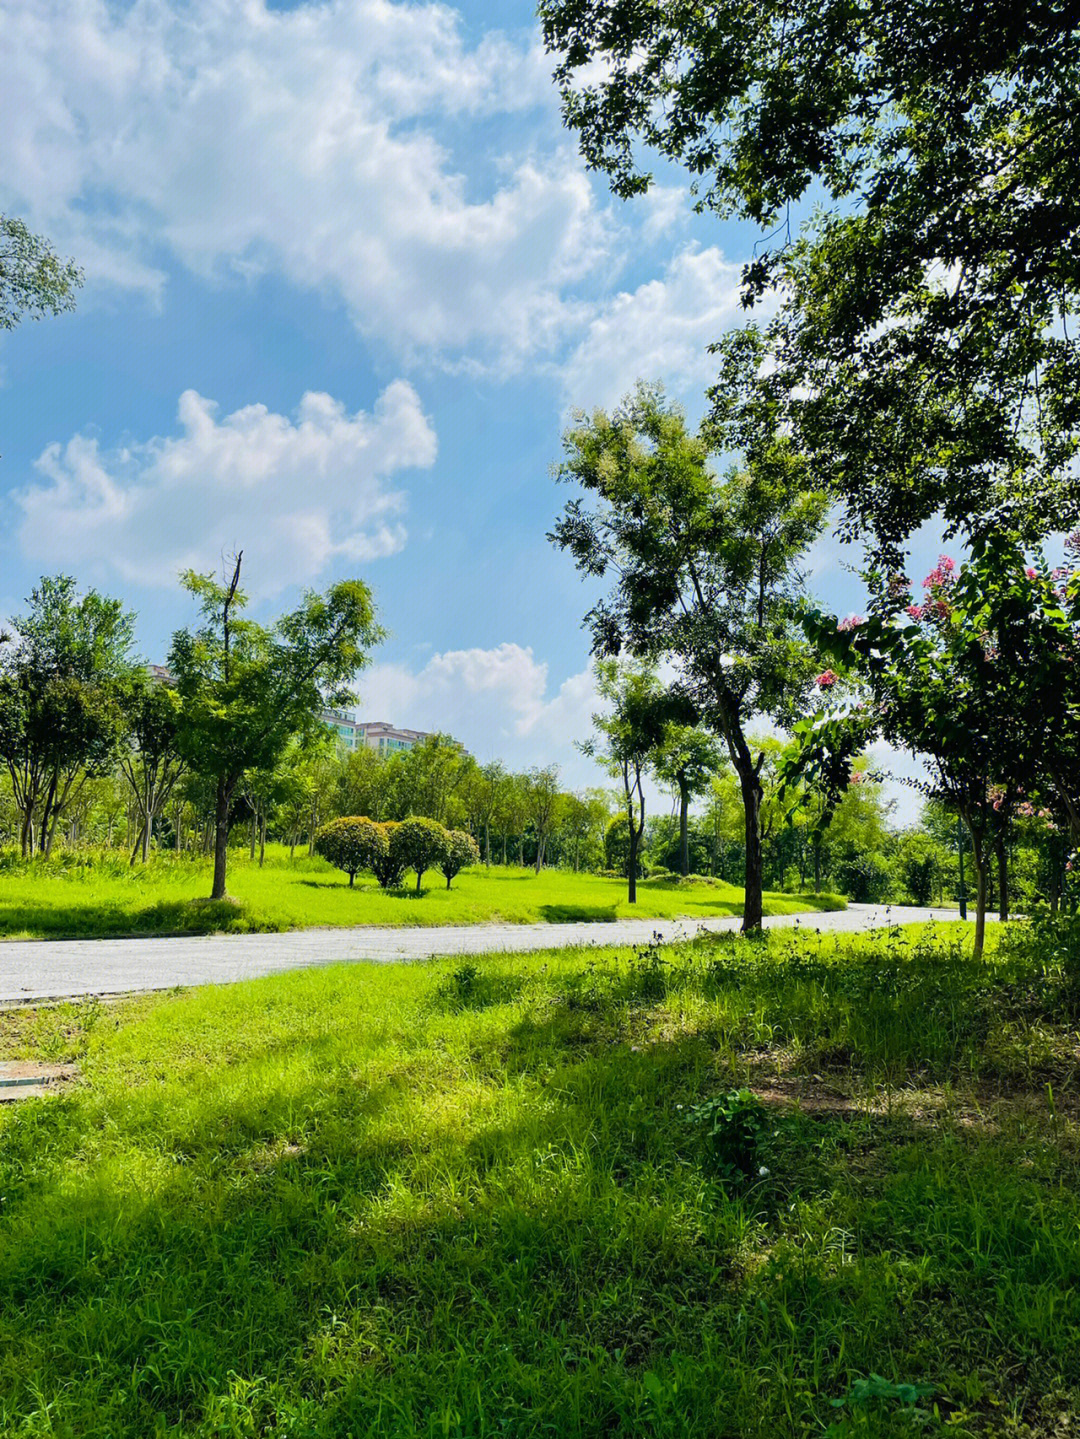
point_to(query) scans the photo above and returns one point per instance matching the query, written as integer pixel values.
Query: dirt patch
(21, 1078)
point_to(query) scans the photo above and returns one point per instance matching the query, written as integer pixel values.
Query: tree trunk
(221, 837)
(978, 862)
(631, 865)
(27, 834)
(487, 844)
(137, 848)
(750, 785)
(684, 830)
(419, 877)
(148, 830)
(817, 869)
(1002, 854)
(262, 839)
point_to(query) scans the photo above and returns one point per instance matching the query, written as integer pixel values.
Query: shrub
(389, 867)
(418, 844)
(461, 850)
(731, 1127)
(352, 844)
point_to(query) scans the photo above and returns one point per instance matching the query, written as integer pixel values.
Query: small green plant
(864, 1392)
(649, 972)
(730, 1128)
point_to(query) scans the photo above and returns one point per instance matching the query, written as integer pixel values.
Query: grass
(501, 1198)
(103, 895)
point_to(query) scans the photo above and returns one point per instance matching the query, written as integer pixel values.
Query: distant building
(384, 738)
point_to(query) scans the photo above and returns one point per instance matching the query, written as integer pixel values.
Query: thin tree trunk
(1002, 855)
(978, 862)
(221, 837)
(262, 839)
(137, 847)
(684, 830)
(750, 784)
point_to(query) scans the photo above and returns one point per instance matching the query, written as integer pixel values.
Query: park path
(40, 969)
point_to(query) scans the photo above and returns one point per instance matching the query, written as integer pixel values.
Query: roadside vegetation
(95, 895)
(796, 1185)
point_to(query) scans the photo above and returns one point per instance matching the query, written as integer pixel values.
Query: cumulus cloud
(498, 702)
(661, 330)
(239, 137)
(294, 493)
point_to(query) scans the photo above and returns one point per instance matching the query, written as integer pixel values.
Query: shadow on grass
(583, 913)
(166, 917)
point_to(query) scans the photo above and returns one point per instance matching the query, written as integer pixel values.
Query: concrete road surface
(55, 968)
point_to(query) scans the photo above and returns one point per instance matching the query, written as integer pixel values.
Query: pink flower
(826, 679)
(856, 776)
(851, 623)
(1031, 573)
(915, 611)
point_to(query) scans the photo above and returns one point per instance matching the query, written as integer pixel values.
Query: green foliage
(704, 569)
(63, 675)
(247, 690)
(929, 297)
(419, 844)
(388, 866)
(460, 850)
(34, 281)
(730, 1127)
(353, 844)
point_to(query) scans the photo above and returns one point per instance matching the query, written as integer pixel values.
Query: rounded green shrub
(418, 844)
(461, 850)
(352, 844)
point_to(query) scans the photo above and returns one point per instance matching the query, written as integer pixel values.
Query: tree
(924, 349)
(962, 678)
(419, 843)
(627, 738)
(461, 850)
(352, 844)
(246, 690)
(706, 569)
(62, 673)
(34, 281)
(430, 776)
(151, 764)
(687, 759)
(364, 784)
(541, 796)
(389, 867)
(584, 816)
(483, 789)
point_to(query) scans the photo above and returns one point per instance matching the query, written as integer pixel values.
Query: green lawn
(478, 1200)
(105, 896)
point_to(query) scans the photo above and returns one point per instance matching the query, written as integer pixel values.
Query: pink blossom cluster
(1072, 544)
(826, 679)
(916, 612)
(857, 776)
(941, 576)
(851, 623)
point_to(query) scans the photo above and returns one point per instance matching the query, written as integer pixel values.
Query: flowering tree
(979, 674)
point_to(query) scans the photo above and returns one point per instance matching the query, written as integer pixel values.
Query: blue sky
(345, 275)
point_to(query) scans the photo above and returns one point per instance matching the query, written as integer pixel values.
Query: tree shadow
(583, 913)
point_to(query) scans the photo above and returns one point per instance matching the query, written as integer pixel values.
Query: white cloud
(294, 494)
(660, 331)
(496, 701)
(241, 138)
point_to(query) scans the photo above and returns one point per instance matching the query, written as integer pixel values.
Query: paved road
(54, 968)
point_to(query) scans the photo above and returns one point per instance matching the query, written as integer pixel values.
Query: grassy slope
(111, 898)
(466, 1201)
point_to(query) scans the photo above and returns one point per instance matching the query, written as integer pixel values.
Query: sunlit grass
(101, 896)
(466, 1199)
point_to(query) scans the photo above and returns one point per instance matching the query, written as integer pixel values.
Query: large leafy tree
(63, 671)
(541, 796)
(247, 689)
(705, 569)
(926, 344)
